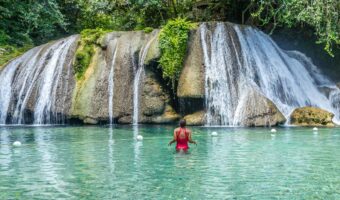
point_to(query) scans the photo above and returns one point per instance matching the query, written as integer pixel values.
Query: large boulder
(311, 116)
(195, 119)
(191, 81)
(254, 109)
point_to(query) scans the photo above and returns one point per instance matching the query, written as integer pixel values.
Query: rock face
(154, 52)
(119, 57)
(191, 81)
(241, 78)
(92, 88)
(256, 110)
(190, 90)
(311, 116)
(195, 119)
(155, 102)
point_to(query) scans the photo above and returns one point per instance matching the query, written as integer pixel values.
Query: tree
(322, 15)
(26, 20)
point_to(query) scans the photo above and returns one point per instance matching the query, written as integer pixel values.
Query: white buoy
(214, 133)
(315, 129)
(139, 137)
(17, 143)
(273, 130)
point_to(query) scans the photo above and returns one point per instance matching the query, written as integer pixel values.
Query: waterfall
(139, 76)
(37, 83)
(111, 81)
(239, 59)
(6, 77)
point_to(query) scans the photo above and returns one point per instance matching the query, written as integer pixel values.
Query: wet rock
(326, 90)
(311, 116)
(125, 119)
(257, 110)
(89, 120)
(155, 102)
(191, 81)
(195, 119)
(169, 116)
(154, 52)
(154, 106)
(91, 97)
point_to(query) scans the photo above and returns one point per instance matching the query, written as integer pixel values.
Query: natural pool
(108, 163)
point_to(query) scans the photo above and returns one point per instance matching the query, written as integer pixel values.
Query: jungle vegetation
(27, 23)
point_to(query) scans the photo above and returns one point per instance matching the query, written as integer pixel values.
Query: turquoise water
(108, 163)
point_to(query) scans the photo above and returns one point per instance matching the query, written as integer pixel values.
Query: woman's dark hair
(182, 123)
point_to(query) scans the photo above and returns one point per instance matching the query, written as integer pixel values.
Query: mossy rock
(311, 116)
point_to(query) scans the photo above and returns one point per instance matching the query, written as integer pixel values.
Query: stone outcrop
(195, 119)
(311, 116)
(154, 52)
(121, 51)
(255, 109)
(191, 81)
(155, 102)
(90, 90)
(119, 55)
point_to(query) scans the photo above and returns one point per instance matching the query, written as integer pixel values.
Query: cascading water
(139, 76)
(239, 59)
(6, 77)
(111, 81)
(37, 82)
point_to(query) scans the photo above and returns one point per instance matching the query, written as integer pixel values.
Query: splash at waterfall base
(232, 76)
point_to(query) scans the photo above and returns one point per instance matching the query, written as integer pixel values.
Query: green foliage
(148, 29)
(173, 40)
(88, 42)
(322, 15)
(8, 52)
(27, 21)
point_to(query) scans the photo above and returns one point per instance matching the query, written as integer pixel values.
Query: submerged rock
(195, 119)
(311, 116)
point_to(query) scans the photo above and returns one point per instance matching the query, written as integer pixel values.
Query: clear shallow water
(108, 163)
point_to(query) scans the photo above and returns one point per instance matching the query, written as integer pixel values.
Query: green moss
(148, 29)
(89, 40)
(8, 52)
(173, 40)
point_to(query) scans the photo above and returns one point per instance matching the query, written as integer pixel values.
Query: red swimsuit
(182, 143)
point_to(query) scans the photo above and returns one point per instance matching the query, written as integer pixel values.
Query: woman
(182, 136)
